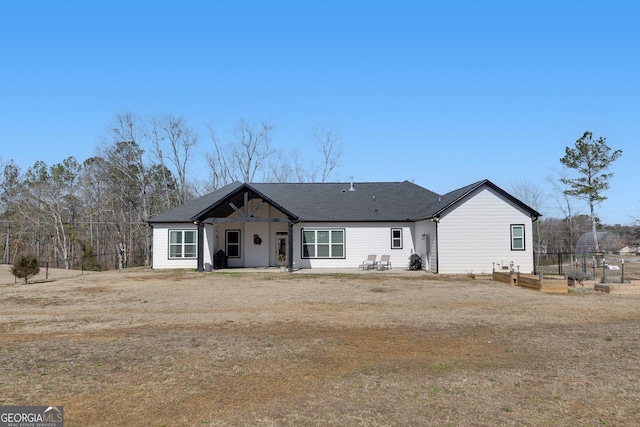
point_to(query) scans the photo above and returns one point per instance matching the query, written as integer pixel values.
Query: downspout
(437, 251)
(437, 220)
(533, 252)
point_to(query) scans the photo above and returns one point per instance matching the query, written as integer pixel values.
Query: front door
(282, 239)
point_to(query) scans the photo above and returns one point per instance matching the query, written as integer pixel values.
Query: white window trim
(227, 244)
(394, 239)
(183, 243)
(331, 244)
(522, 237)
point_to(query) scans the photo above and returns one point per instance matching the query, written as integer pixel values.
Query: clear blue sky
(443, 93)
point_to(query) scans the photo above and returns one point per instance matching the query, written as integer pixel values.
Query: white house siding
(252, 254)
(256, 255)
(220, 241)
(476, 233)
(425, 234)
(361, 239)
(161, 247)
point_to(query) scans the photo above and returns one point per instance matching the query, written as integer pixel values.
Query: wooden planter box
(618, 288)
(552, 286)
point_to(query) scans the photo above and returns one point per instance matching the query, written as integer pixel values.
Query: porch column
(200, 266)
(290, 247)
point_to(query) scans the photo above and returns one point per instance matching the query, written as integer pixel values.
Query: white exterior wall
(256, 255)
(161, 247)
(251, 254)
(361, 239)
(477, 232)
(426, 234)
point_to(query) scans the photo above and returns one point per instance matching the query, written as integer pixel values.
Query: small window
(183, 244)
(396, 238)
(233, 243)
(517, 237)
(323, 244)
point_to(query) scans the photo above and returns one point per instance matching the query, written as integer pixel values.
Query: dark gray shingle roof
(370, 201)
(191, 209)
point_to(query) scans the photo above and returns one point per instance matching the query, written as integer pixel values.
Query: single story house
(337, 225)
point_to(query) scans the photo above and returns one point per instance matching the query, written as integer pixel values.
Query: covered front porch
(251, 230)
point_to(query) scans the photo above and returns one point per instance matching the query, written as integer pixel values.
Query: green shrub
(89, 259)
(25, 267)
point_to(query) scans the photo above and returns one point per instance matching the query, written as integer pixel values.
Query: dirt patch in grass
(154, 348)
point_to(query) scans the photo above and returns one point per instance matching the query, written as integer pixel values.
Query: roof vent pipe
(352, 188)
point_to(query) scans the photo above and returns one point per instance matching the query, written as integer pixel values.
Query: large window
(323, 243)
(517, 237)
(396, 238)
(183, 243)
(233, 243)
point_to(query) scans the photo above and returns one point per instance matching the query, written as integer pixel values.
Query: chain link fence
(603, 268)
(99, 262)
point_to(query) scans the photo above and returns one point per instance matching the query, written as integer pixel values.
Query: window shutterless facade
(396, 238)
(321, 243)
(517, 237)
(183, 244)
(232, 243)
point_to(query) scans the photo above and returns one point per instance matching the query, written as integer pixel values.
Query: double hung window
(517, 237)
(232, 243)
(183, 244)
(396, 238)
(319, 243)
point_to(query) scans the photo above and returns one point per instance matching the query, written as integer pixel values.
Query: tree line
(97, 210)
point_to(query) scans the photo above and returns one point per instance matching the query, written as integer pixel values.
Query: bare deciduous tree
(279, 169)
(242, 159)
(126, 170)
(9, 197)
(219, 169)
(561, 196)
(51, 200)
(288, 168)
(180, 139)
(534, 196)
(329, 145)
(252, 148)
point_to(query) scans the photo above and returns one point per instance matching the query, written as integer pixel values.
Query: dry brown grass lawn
(178, 348)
